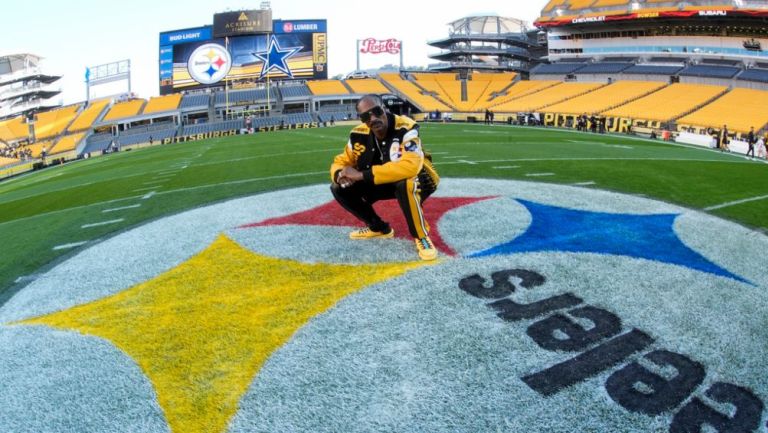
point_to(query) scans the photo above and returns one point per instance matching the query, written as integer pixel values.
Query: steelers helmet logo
(550, 308)
(209, 63)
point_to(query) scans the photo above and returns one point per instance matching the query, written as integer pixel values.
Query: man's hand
(348, 176)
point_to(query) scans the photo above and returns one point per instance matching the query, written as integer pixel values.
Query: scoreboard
(198, 58)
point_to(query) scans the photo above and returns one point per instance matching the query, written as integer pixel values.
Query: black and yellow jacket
(399, 156)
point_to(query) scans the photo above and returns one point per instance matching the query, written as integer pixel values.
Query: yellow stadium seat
(413, 93)
(7, 161)
(52, 123)
(327, 87)
(668, 103)
(88, 116)
(545, 97)
(14, 129)
(605, 98)
(67, 143)
(740, 109)
(121, 110)
(158, 104)
(367, 85)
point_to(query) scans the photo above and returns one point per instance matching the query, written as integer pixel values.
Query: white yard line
(68, 246)
(735, 202)
(583, 183)
(102, 223)
(153, 182)
(500, 167)
(539, 174)
(148, 195)
(115, 209)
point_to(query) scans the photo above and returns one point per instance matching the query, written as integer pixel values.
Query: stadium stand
(195, 101)
(545, 97)
(295, 91)
(159, 104)
(652, 70)
(123, 110)
(413, 93)
(53, 123)
(240, 97)
(605, 98)
(556, 68)
(14, 129)
(604, 3)
(67, 143)
(522, 88)
(740, 109)
(88, 116)
(444, 85)
(710, 71)
(144, 136)
(366, 85)
(327, 87)
(38, 148)
(7, 161)
(485, 86)
(203, 128)
(668, 103)
(97, 142)
(759, 75)
(604, 68)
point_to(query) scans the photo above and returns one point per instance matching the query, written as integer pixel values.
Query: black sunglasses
(376, 111)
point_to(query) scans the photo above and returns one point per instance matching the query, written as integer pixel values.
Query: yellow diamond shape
(202, 331)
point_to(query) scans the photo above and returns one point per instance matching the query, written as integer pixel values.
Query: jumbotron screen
(194, 59)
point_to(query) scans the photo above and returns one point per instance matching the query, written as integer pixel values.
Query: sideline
(626, 137)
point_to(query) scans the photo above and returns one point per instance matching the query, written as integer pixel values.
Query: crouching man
(384, 160)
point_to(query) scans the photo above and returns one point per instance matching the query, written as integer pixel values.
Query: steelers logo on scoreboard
(209, 63)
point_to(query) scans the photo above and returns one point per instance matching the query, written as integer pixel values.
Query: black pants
(751, 150)
(359, 198)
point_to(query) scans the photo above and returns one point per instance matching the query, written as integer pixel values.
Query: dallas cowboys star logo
(276, 57)
(650, 237)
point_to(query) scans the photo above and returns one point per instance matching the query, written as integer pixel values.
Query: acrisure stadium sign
(552, 309)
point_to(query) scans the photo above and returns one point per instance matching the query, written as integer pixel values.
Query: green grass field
(48, 209)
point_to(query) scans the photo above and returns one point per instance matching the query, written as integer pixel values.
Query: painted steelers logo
(552, 308)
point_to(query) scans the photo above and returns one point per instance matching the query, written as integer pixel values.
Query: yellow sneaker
(367, 233)
(426, 248)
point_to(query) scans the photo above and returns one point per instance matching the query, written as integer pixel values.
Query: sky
(71, 35)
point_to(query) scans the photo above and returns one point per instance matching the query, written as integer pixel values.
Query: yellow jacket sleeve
(407, 167)
(344, 159)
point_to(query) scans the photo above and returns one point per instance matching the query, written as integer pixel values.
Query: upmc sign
(376, 46)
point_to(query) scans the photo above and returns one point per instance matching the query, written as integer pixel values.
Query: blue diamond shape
(648, 237)
(210, 71)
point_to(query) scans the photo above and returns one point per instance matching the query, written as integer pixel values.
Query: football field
(47, 214)
(584, 283)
